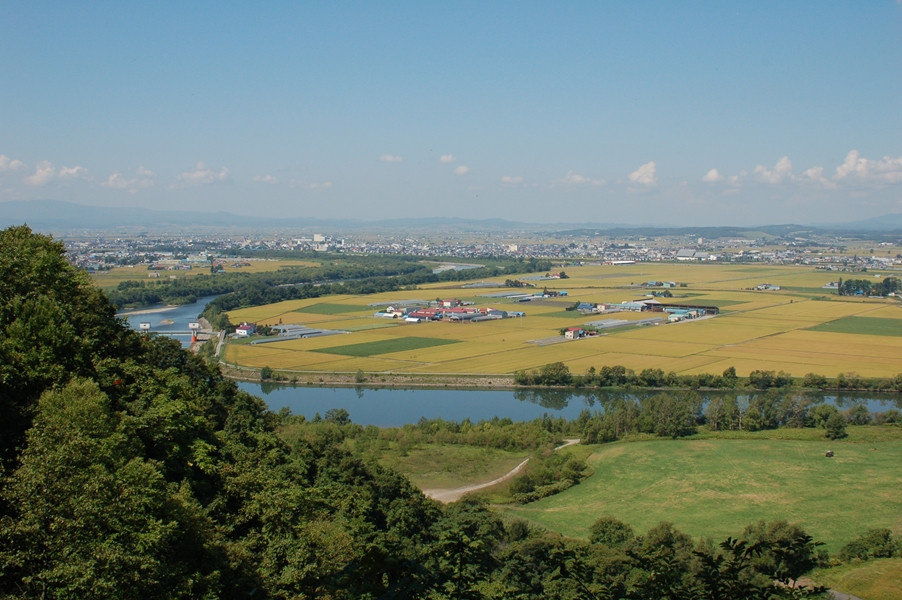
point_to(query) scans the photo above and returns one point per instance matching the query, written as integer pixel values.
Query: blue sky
(661, 113)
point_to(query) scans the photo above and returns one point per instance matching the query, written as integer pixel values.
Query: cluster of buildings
(821, 251)
(454, 311)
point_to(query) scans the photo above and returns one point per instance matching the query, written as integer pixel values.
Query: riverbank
(399, 380)
(146, 311)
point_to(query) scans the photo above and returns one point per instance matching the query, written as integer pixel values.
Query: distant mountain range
(67, 218)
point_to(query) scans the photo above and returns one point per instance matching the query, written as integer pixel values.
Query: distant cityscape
(186, 252)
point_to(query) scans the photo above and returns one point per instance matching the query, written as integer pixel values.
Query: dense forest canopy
(132, 469)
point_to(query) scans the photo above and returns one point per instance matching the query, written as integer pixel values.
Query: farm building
(245, 329)
(574, 333)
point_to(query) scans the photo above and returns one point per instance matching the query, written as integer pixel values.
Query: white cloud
(447, 158)
(712, 176)
(737, 179)
(43, 173)
(271, 179)
(572, 178)
(10, 164)
(511, 179)
(72, 172)
(118, 181)
(645, 175)
(391, 158)
(200, 174)
(816, 175)
(885, 170)
(782, 171)
(462, 170)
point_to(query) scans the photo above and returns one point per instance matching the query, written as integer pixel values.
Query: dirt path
(457, 493)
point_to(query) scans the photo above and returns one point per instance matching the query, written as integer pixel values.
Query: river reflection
(391, 407)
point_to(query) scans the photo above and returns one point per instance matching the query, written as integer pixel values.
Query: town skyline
(648, 114)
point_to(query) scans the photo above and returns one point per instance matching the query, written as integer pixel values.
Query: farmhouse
(574, 333)
(245, 329)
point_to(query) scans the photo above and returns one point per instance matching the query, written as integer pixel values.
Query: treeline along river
(391, 407)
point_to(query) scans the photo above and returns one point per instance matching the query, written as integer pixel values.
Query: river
(167, 319)
(392, 407)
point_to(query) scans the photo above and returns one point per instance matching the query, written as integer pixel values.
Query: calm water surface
(390, 407)
(160, 316)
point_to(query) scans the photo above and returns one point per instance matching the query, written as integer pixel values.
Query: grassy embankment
(873, 580)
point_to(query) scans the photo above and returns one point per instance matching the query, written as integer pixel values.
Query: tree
(876, 543)
(820, 414)
(814, 381)
(715, 413)
(729, 377)
(788, 552)
(54, 325)
(761, 380)
(555, 374)
(835, 426)
(610, 532)
(95, 520)
(858, 414)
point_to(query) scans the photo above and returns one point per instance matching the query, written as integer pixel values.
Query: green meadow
(714, 487)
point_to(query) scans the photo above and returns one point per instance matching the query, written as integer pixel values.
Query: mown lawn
(715, 487)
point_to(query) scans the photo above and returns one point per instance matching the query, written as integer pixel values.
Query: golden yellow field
(769, 330)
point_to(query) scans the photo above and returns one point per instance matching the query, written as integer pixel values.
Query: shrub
(876, 543)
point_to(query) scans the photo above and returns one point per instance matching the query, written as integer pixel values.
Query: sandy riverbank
(146, 311)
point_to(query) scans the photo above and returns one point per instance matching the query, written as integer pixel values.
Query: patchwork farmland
(800, 328)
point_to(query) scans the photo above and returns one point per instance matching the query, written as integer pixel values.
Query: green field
(715, 487)
(325, 308)
(863, 326)
(386, 346)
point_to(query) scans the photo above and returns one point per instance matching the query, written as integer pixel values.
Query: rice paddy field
(801, 328)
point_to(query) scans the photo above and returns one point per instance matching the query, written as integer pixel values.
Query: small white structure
(144, 326)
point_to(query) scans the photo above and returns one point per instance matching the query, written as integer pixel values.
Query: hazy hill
(59, 217)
